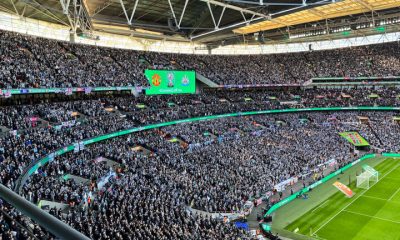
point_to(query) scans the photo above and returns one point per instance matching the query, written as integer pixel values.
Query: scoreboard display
(170, 82)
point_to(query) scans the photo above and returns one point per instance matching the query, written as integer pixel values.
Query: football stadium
(200, 119)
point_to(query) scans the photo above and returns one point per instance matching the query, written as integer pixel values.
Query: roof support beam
(65, 5)
(241, 10)
(244, 17)
(129, 19)
(84, 17)
(263, 3)
(233, 7)
(45, 10)
(212, 15)
(23, 10)
(260, 16)
(217, 24)
(227, 27)
(183, 13)
(133, 11)
(202, 17)
(222, 14)
(100, 8)
(123, 9)
(49, 15)
(173, 13)
(15, 8)
(77, 14)
(236, 8)
(6, 10)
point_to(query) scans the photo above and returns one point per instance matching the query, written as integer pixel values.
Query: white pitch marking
(366, 215)
(320, 205)
(394, 194)
(323, 225)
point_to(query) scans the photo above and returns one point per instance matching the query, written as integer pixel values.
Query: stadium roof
(210, 21)
(318, 13)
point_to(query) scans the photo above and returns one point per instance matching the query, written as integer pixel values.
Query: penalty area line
(318, 237)
(378, 198)
(382, 199)
(361, 193)
(394, 194)
(322, 204)
(366, 215)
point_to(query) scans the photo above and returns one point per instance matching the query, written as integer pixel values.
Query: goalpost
(364, 179)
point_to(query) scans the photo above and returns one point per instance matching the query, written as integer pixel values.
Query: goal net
(369, 175)
(373, 172)
(363, 180)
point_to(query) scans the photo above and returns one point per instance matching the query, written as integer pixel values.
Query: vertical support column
(72, 37)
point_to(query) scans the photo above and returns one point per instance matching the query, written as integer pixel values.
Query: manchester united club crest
(156, 80)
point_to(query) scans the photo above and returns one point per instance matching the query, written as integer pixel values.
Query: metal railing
(58, 228)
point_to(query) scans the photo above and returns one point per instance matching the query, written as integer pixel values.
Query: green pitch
(369, 214)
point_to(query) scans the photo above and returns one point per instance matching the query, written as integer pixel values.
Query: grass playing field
(369, 214)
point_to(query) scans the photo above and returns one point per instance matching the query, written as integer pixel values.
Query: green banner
(354, 138)
(396, 155)
(170, 82)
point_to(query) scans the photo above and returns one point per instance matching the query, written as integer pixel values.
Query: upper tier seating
(30, 62)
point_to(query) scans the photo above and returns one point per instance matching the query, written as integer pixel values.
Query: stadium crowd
(163, 108)
(29, 62)
(247, 158)
(189, 174)
(112, 190)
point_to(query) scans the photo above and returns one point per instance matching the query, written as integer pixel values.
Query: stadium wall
(38, 28)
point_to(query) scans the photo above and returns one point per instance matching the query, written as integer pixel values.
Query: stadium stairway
(311, 64)
(375, 134)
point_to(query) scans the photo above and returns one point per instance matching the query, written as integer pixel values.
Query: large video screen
(170, 82)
